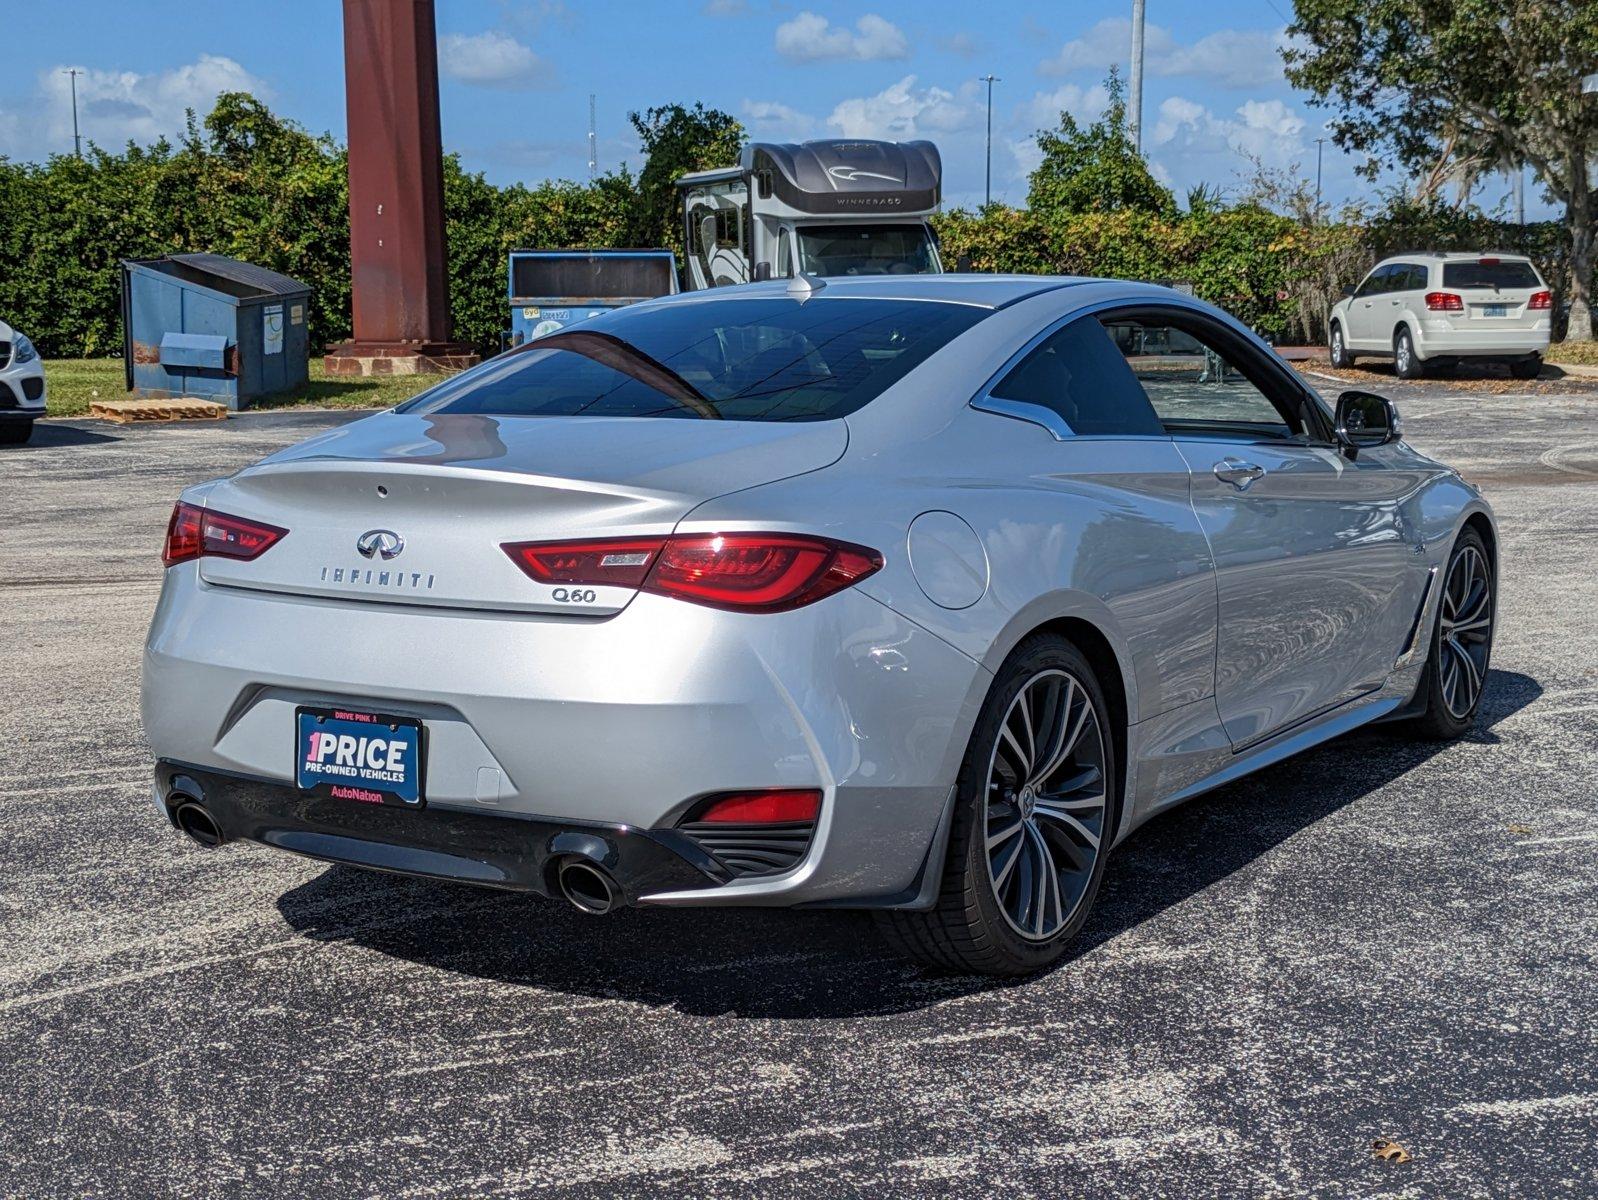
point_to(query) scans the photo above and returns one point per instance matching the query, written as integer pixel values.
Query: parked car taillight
(1541, 300)
(1445, 302)
(746, 572)
(195, 532)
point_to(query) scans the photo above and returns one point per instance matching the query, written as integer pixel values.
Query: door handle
(1238, 473)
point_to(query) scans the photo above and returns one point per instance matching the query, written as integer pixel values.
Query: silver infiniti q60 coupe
(909, 594)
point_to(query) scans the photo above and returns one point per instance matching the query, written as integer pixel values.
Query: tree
(1485, 83)
(1096, 169)
(676, 140)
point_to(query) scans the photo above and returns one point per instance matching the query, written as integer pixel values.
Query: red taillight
(620, 562)
(773, 807)
(746, 572)
(1541, 300)
(758, 572)
(195, 532)
(1445, 302)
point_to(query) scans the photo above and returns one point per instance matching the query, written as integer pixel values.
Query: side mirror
(1364, 421)
(1348, 293)
(762, 272)
(962, 264)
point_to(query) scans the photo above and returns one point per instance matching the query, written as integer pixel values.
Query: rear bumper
(513, 852)
(624, 721)
(1443, 342)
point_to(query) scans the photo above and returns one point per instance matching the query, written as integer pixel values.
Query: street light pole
(987, 187)
(77, 142)
(1320, 144)
(1135, 108)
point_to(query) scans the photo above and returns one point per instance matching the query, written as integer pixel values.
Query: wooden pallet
(175, 409)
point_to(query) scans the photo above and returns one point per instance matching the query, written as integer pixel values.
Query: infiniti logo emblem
(380, 543)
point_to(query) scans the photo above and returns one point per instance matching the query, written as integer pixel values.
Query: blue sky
(517, 75)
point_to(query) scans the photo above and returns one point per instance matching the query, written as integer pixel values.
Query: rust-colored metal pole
(400, 285)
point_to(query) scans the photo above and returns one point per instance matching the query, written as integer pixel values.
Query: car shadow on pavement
(54, 433)
(786, 964)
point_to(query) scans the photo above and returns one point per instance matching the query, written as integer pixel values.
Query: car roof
(984, 291)
(1454, 256)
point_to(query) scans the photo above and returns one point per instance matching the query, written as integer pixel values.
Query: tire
(1461, 646)
(1526, 368)
(1061, 817)
(1405, 363)
(1337, 348)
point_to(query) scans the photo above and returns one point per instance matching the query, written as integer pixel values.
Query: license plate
(1495, 310)
(364, 757)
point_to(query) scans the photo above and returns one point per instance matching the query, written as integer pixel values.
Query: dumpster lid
(241, 280)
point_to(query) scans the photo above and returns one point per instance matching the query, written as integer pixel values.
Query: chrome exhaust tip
(587, 888)
(201, 826)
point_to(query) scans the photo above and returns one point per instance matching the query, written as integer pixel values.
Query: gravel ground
(1377, 940)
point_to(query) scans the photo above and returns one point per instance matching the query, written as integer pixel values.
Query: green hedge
(250, 185)
(1269, 270)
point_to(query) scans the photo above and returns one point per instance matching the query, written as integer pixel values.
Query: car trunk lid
(440, 493)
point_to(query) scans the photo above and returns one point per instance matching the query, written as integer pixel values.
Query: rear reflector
(744, 572)
(1541, 300)
(773, 807)
(195, 532)
(1445, 302)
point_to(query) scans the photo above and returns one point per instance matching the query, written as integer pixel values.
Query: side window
(784, 254)
(1377, 282)
(1411, 278)
(1192, 386)
(1077, 373)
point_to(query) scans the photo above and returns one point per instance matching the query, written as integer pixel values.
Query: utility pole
(1135, 107)
(1520, 194)
(1320, 144)
(593, 156)
(77, 142)
(987, 187)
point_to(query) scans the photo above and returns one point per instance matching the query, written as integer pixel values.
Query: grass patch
(74, 383)
(1581, 353)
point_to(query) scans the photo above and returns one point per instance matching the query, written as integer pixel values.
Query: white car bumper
(22, 390)
(1444, 339)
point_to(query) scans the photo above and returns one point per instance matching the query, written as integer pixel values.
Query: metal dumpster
(211, 326)
(550, 289)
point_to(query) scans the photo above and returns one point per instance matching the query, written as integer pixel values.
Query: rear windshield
(738, 360)
(1490, 275)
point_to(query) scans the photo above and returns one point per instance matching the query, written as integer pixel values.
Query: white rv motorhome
(835, 207)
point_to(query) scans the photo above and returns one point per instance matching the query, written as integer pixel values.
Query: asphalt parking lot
(1378, 940)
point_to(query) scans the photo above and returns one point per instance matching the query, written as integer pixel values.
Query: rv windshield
(866, 250)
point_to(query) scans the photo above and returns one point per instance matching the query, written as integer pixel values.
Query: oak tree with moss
(1488, 84)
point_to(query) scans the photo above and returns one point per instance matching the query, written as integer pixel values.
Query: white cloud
(904, 111)
(775, 119)
(725, 8)
(812, 38)
(1043, 110)
(115, 107)
(492, 59)
(961, 43)
(1230, 57)
(1191, 143)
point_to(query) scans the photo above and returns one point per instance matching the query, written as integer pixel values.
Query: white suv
(21, 387)
(1430, 308)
